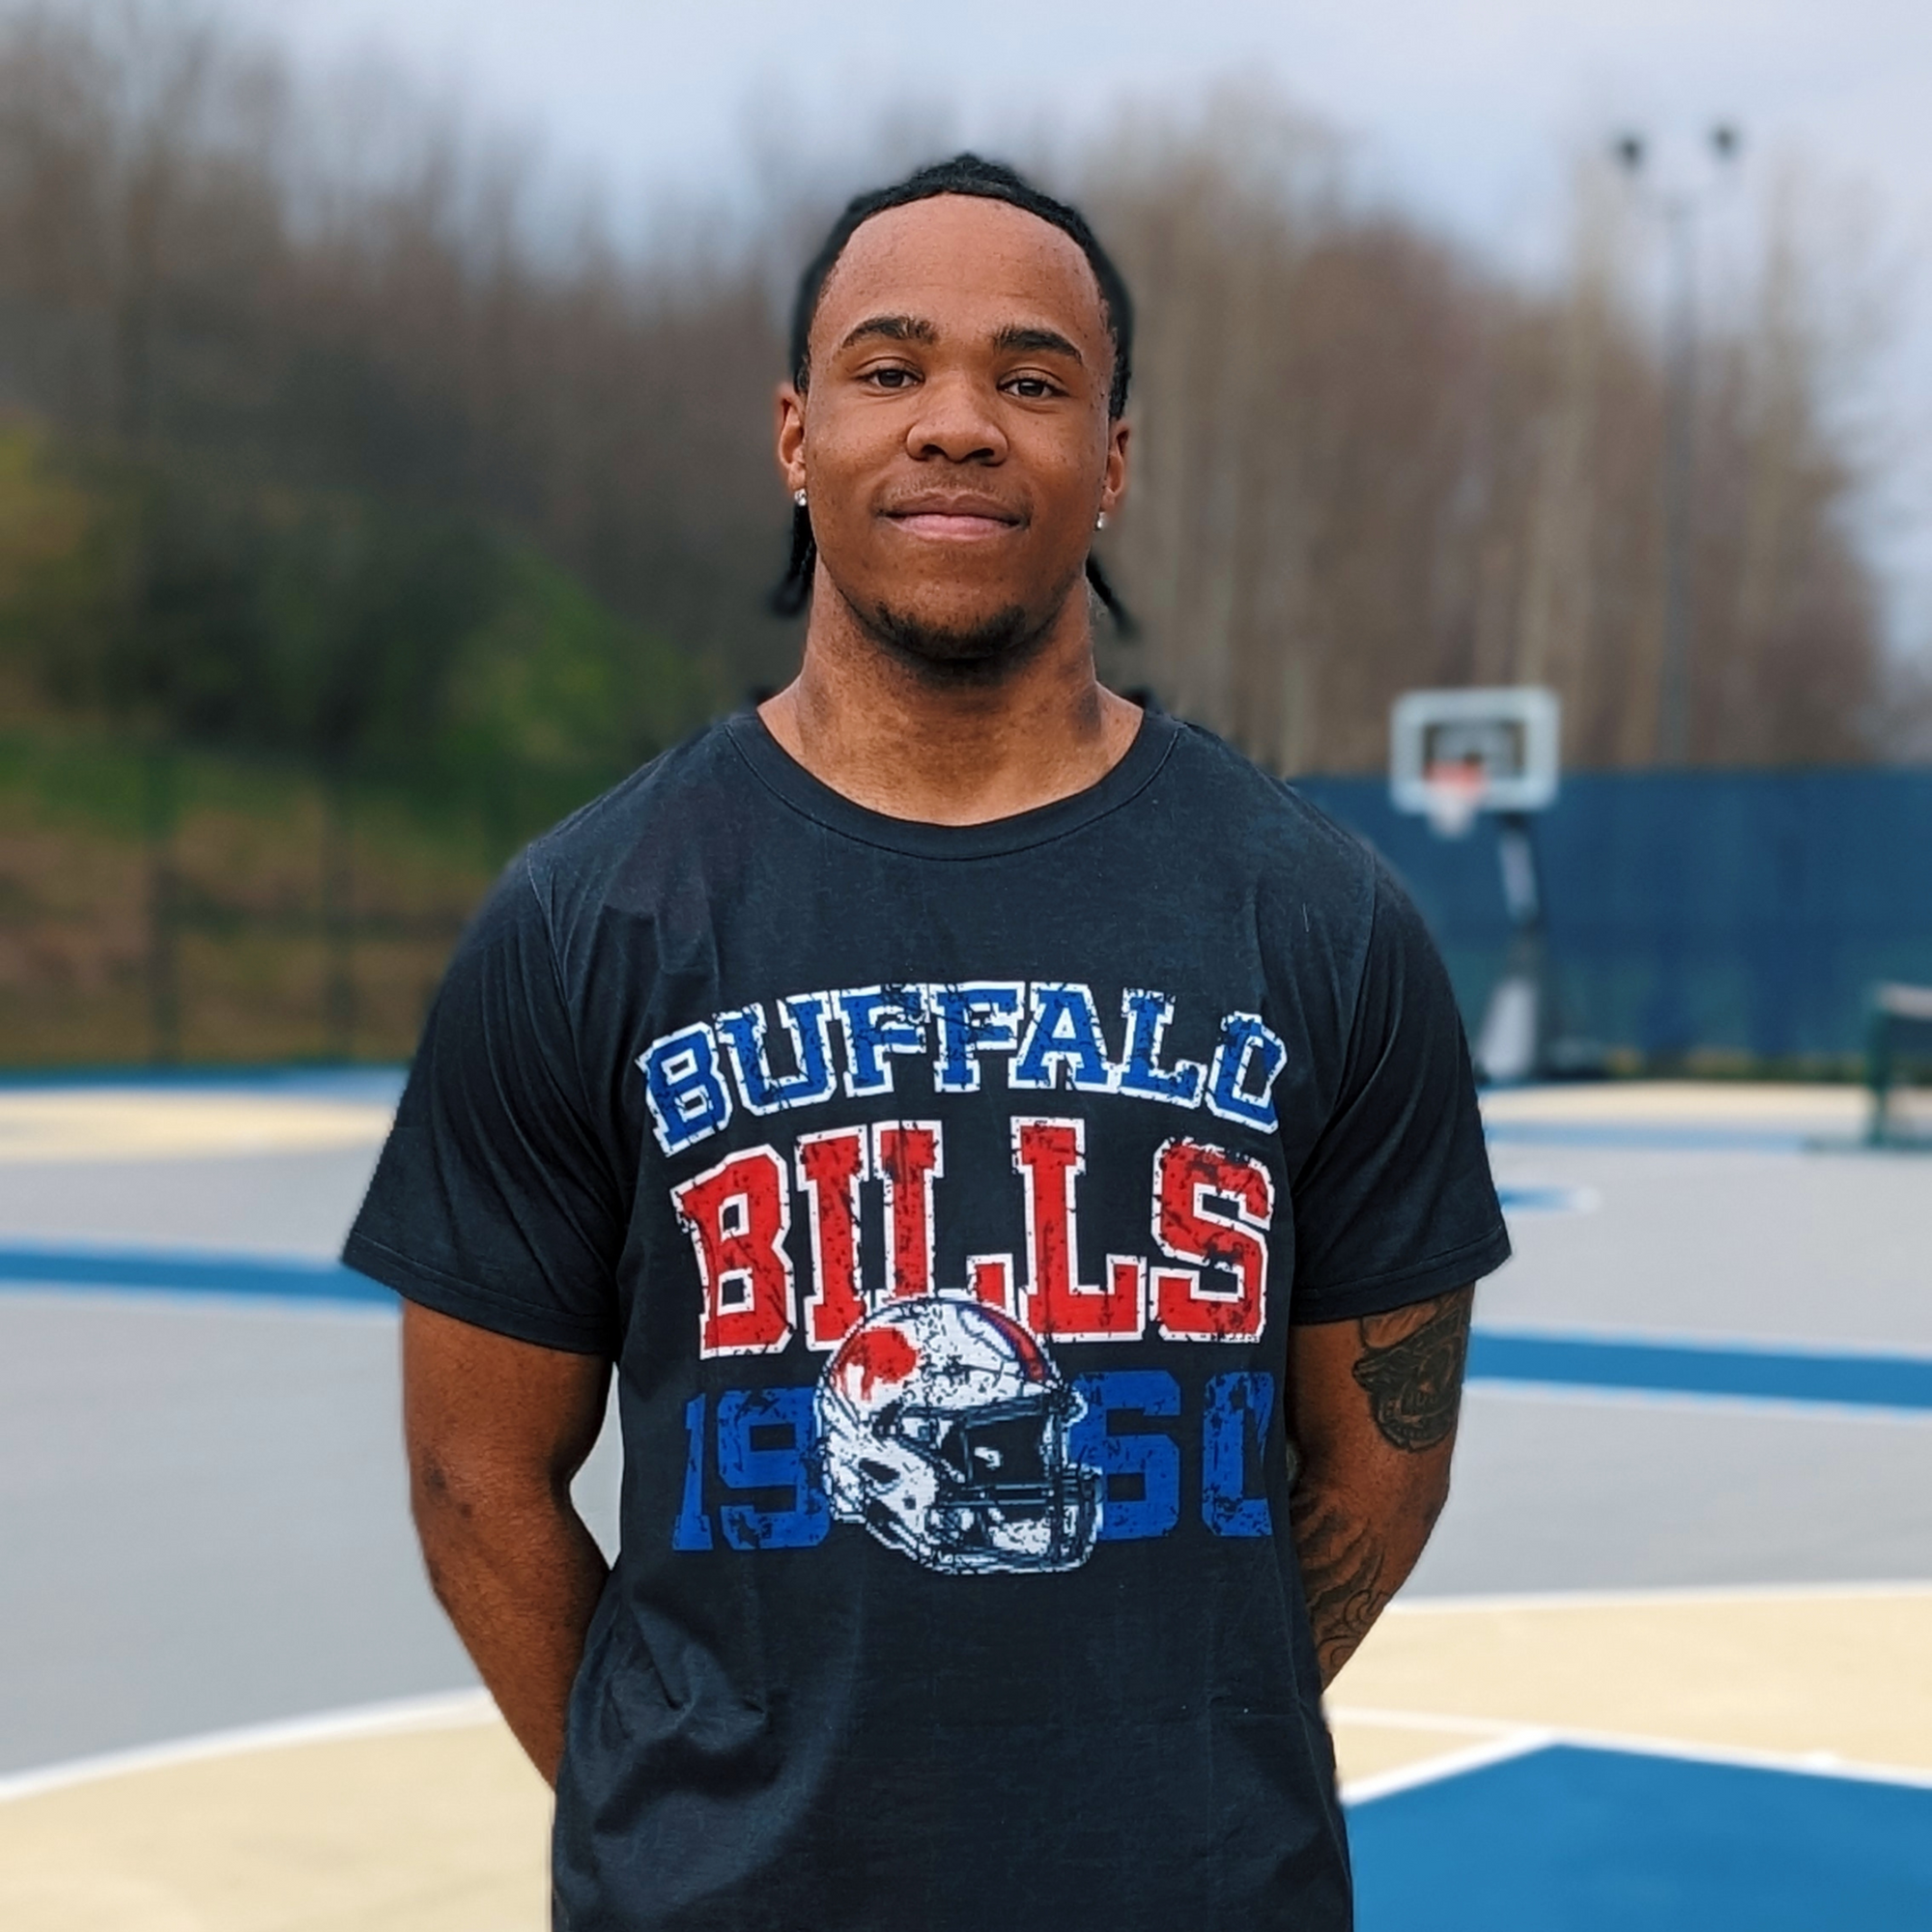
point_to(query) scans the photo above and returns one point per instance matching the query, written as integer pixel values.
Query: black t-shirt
(944, 1195)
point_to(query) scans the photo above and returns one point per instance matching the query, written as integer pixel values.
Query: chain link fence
(1697, 921)
(164, 906)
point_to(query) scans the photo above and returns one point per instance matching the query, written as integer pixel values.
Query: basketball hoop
(1454, 755)
(1453, 795)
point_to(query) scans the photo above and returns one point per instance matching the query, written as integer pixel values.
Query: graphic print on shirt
(1208, 1212)
(941, 1422)
(1051, 1030)
(942, 1426)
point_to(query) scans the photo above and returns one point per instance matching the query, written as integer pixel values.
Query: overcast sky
(1465, 109)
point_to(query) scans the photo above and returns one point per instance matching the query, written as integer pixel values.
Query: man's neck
(897, 740)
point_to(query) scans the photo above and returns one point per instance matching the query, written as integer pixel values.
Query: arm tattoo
(1411, 1366)
(1341, 1567)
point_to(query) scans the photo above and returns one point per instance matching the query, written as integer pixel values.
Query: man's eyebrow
(1025, 335)
(894, 328)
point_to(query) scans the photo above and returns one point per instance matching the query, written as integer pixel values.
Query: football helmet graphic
(943, 1428)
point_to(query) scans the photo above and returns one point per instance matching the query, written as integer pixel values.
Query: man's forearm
(520, 1578)
(1354, 1557)
(1365, 1499)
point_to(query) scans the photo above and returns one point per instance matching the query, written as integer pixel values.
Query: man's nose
(959, 423)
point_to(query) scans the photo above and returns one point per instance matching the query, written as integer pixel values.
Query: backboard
(1453, 753)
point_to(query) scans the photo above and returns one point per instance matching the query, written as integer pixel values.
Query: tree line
(357, 439)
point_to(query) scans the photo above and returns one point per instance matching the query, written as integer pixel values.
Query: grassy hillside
(279, 927)
(291, 935)
(262, 748)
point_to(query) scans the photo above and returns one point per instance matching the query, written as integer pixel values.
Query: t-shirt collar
(920, 839)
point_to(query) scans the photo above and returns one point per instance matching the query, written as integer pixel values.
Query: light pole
(1678, 209)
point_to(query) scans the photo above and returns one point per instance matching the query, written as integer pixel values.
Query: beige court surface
(437, 1824)
(435, 1829)
(135, 1124)
(146, 1123)
(1828, 1677)
(1822, 1108)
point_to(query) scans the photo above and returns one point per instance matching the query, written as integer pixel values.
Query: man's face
(954, 441)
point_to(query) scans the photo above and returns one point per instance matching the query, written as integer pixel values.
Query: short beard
(984, 653)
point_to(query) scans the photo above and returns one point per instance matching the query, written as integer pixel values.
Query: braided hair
(989, 181)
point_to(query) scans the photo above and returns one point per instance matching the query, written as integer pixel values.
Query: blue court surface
(1666, 1664)
(1591, 1840)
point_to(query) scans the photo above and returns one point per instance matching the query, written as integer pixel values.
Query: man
(1022, 1166)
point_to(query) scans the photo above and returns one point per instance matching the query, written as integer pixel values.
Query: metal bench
(1899, 1041)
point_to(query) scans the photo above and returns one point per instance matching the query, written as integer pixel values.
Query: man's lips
(952, 519)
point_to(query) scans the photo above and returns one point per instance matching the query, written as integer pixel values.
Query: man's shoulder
(662, 800)
(1285, 838)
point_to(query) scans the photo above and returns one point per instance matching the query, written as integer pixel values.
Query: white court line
(457, 1709)
(1514, 1743)
(1794, 1408)
(1700, 1341)
(1910, 1588)
(451, 1709)
(1508, 1738)
(461, 1710)
(1512, 1740)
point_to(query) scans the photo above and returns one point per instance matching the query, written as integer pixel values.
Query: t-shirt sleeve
(1395, 1202)
(494, 1200)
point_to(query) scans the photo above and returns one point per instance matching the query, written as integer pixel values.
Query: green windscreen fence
(1728, 911)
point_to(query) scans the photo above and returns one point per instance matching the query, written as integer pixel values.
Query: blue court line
(1498, 1356)
(1530, 1199)
(373, 1083)
(1658, 1138)
(1765, 1375)
(1595, 1840)
(285, 1277)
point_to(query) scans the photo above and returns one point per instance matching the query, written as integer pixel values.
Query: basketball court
(1668, 1660)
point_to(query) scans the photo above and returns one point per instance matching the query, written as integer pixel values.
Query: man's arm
(496, 1430)
(1372, 1419)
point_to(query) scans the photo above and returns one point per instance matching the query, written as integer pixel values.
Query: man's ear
(1113, 483)
(792, 435)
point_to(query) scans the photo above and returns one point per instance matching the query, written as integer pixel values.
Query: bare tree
(1370, 462)
(1369, 465)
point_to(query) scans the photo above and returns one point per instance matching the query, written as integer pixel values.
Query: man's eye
(1032, 389)
(889, 379)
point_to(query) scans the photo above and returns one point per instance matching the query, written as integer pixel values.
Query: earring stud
(798, 497)
(1100, 522)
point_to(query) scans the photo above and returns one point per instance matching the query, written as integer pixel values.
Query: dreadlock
(989, 181)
